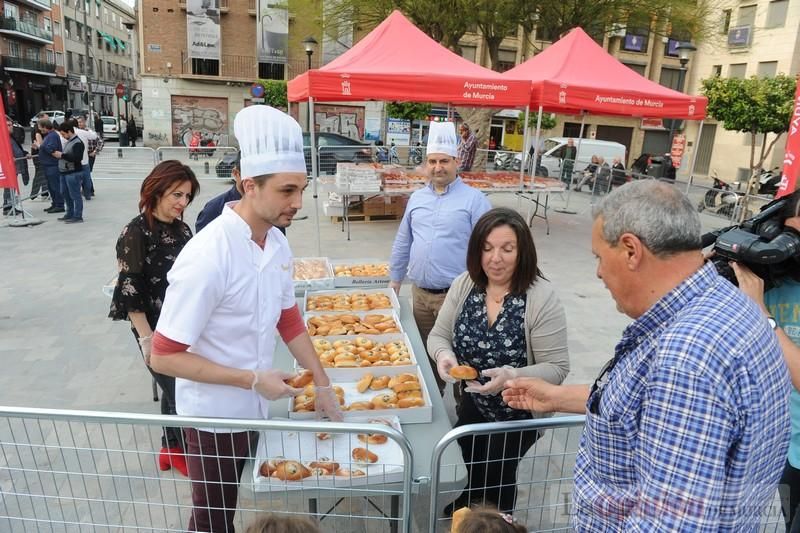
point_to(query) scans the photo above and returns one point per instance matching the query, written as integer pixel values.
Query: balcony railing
(223, 4)
(12, 24)
(228, 67)
(28, 64)
(38, 4)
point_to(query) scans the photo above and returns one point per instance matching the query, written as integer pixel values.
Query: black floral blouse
(144, 257)
(480, 346)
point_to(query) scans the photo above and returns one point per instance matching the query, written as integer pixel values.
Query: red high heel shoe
(172, 458)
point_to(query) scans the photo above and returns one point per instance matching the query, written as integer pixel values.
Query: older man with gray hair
(687, 426)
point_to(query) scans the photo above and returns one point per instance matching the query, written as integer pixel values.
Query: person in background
(484, 520)
(146, 250)
(51, 143)
(275, 523)
(214, 207)
(98, 126)
(592, 172)
(568, 161)
(21, 164)
(430, 248)
(618, 173)
(39, 185)
(504, 319)
(781, 306)
(71, 169)
(467, 147)
(688, 425)
(89, 140)
(133, 133)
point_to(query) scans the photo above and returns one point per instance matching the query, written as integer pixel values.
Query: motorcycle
(722, 200)
(504, 160)
(415, 155)
(769, 181)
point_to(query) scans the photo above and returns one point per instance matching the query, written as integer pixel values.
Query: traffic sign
(120, 90)
(257, 90)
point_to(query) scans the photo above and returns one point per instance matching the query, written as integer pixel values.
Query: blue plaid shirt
(691, 429)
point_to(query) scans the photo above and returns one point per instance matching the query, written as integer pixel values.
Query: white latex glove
(146, 344)
(270, 384)
(444, 362)
(326, 404)
(395, 286)
(496, 383)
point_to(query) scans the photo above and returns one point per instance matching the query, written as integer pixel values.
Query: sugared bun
(464, 372)
(301, 380)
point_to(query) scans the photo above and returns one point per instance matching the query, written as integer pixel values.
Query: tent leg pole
(522, 165)
(536, 142)
(694, 157)
(314, 170)
(566, 210)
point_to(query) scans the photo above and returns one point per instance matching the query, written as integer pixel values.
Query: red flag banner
(8, 170)
(791, 160)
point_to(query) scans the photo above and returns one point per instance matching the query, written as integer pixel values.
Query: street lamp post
(684, 51)
(310, 44)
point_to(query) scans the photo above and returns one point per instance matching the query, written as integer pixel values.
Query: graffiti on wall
(345, 120)
(207, 115)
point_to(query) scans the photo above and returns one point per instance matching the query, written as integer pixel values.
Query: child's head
(275, 523)
(484, 520)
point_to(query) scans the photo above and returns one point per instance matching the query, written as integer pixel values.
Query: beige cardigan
(545, 328)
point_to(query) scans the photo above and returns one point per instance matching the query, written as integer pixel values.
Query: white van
(553, 153)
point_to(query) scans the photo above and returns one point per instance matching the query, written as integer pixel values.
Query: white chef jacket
(224, 299)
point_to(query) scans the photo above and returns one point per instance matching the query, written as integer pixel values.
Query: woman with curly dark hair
(146, 250)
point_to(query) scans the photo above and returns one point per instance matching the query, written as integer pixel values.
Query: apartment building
(104, 29)
(28, 57)
(754, 37)
(200, 58)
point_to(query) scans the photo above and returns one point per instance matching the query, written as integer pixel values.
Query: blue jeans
(71, 187)
(86, 183)
(54, 185)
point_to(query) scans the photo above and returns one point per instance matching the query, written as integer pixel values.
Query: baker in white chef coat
(229, 289)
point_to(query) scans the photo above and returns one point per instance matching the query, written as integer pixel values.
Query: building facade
(98, 48)
(28, 57)
(753, 38)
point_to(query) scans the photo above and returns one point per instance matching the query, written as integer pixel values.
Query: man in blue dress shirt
(430, 248)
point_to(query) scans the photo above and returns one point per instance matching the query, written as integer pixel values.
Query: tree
(548, 120)
(756, 106)
(410, 111)
(275, 93)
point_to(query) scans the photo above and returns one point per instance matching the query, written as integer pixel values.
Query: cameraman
(782, 305)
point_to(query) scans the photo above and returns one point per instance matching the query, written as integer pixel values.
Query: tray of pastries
(314, 273)
(298, 460)
(381, 392)
(351, 357)
(350, 300)
(353, 324)
(361, 273)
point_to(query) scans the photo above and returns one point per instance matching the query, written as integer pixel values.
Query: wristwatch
(772, 323)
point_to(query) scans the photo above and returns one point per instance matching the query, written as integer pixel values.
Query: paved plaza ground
(58, 349)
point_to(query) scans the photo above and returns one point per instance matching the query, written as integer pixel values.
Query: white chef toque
(442, 139)
(270, 142)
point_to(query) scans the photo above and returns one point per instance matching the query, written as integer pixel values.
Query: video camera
(762, 243)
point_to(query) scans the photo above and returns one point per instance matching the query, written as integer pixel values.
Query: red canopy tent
(576, 75)
(397, 61)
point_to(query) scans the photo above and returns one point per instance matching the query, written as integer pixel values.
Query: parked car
(225, 165)
(55, 116)
(110, 128)
(335, 148)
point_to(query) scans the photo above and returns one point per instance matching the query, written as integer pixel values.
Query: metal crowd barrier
(544, 477)
(207, 162)
(65, 471)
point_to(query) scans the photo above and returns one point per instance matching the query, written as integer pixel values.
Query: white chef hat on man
(442, 139)
(270, 141)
